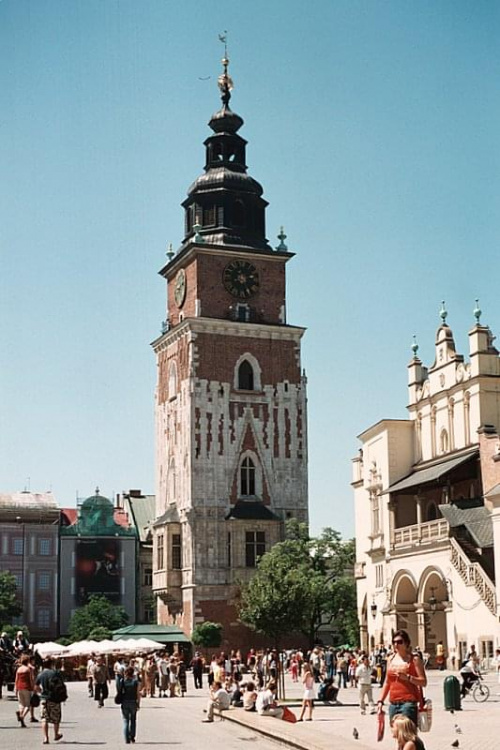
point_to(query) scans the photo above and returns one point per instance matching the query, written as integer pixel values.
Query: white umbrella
(51, 649)
(81, 648)
(131, 645)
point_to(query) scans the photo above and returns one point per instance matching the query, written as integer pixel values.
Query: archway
(404, 598)
(433, 595)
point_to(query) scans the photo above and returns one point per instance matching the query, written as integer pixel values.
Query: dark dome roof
(225, 121)
(223, 178)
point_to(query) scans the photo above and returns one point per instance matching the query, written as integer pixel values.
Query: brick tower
(231, 421)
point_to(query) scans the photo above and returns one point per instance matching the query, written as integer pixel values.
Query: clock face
(241, 279)
(180, 288)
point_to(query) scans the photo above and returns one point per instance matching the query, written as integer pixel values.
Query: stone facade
(425, 506)
(231, 408)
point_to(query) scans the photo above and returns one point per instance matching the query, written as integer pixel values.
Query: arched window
(245, 376)
(247, 478)
(431, 512)
(444, 441)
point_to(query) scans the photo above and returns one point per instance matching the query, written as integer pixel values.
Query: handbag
(119, 694)
(424, 719)
(380, 725)
(34, 700)
(288, 715)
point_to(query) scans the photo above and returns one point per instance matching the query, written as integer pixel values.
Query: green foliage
(12, 631)
(95, 617)
(207, 634)
(100, 633)
(302, 583)
(10, 606)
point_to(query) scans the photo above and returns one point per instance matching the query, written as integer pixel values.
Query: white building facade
(427, 506)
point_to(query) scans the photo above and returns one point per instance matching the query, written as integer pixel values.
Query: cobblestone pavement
(178, 723)
(169, 723)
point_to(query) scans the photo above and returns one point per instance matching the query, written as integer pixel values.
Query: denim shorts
(407, 708)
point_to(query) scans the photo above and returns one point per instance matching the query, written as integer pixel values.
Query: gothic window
(172, 380)
(160, 551)
(238, 214)
(255, 547)
(176, 552)
(247, 478)
(245, 376)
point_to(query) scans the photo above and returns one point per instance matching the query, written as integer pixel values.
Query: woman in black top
(131, 698)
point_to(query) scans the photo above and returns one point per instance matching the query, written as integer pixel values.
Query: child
(405, 732)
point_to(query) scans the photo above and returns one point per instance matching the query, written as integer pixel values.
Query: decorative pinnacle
(97, 490)
(443, 313)
(414, 346)
(170, 251)
(282, 237)
(224, 81)
(197, 236)
(477, 313)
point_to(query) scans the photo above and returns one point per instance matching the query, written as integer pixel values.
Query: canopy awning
(431, 473)
(159, 633)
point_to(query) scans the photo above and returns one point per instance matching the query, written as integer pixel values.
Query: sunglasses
(398, 642)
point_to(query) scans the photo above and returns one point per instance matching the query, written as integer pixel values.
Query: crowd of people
(245, 681)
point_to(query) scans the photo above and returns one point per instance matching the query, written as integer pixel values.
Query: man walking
(100, 678)
(364, 677)
(197, 665)
(52, 689)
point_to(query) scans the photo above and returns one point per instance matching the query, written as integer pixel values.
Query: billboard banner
(98, 569)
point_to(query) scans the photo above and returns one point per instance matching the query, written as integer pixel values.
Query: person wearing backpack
(53, 693)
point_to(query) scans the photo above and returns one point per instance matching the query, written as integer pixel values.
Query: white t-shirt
(222, 698)
(364, 675)
(264, 699)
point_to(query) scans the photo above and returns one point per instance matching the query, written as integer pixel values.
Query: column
(421, 630)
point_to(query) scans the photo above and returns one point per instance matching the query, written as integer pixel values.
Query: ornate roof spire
(225, 81)
(443, 313)
(414, 346)
(282, 247)
(477, 313)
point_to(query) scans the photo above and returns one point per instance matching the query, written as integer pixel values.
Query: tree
(98, 616)
(10, 606)
(301, 584)
(207, 634)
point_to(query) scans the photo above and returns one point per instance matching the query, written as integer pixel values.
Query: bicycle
(479, 691)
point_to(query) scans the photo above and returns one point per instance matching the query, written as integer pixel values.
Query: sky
(373, 127)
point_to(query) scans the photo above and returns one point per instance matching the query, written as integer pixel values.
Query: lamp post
(373, 608)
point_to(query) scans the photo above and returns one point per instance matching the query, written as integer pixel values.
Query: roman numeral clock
(241, 279)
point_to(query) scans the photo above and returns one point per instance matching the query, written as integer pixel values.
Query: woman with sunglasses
(404, 680)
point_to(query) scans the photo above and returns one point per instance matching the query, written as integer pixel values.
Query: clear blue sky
(374, 129)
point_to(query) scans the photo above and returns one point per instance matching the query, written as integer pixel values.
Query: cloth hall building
(427, 506)
(231, 423)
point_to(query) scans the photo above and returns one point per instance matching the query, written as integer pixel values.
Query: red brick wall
(204, 281)
(217, 357)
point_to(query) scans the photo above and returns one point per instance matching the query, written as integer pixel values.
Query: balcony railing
(472, 574)
(421, 533)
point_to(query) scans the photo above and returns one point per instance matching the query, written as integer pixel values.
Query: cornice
(191, 250)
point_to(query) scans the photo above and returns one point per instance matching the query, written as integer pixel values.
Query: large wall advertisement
(98, 569)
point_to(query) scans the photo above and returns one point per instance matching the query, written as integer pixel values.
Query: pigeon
(457, 729)
(355, 733)
(455, 744)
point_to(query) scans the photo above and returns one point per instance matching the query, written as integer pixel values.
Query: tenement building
(29, 549)
(427, 505)
(231, 422)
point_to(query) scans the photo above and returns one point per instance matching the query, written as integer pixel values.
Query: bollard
(451, 687)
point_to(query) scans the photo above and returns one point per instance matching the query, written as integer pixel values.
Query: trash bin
(451, 687)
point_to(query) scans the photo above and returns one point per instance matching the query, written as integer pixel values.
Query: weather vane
(225, 81)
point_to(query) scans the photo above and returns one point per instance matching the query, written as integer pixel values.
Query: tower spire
(224, 81)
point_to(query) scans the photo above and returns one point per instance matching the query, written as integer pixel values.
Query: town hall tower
(231, 419)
